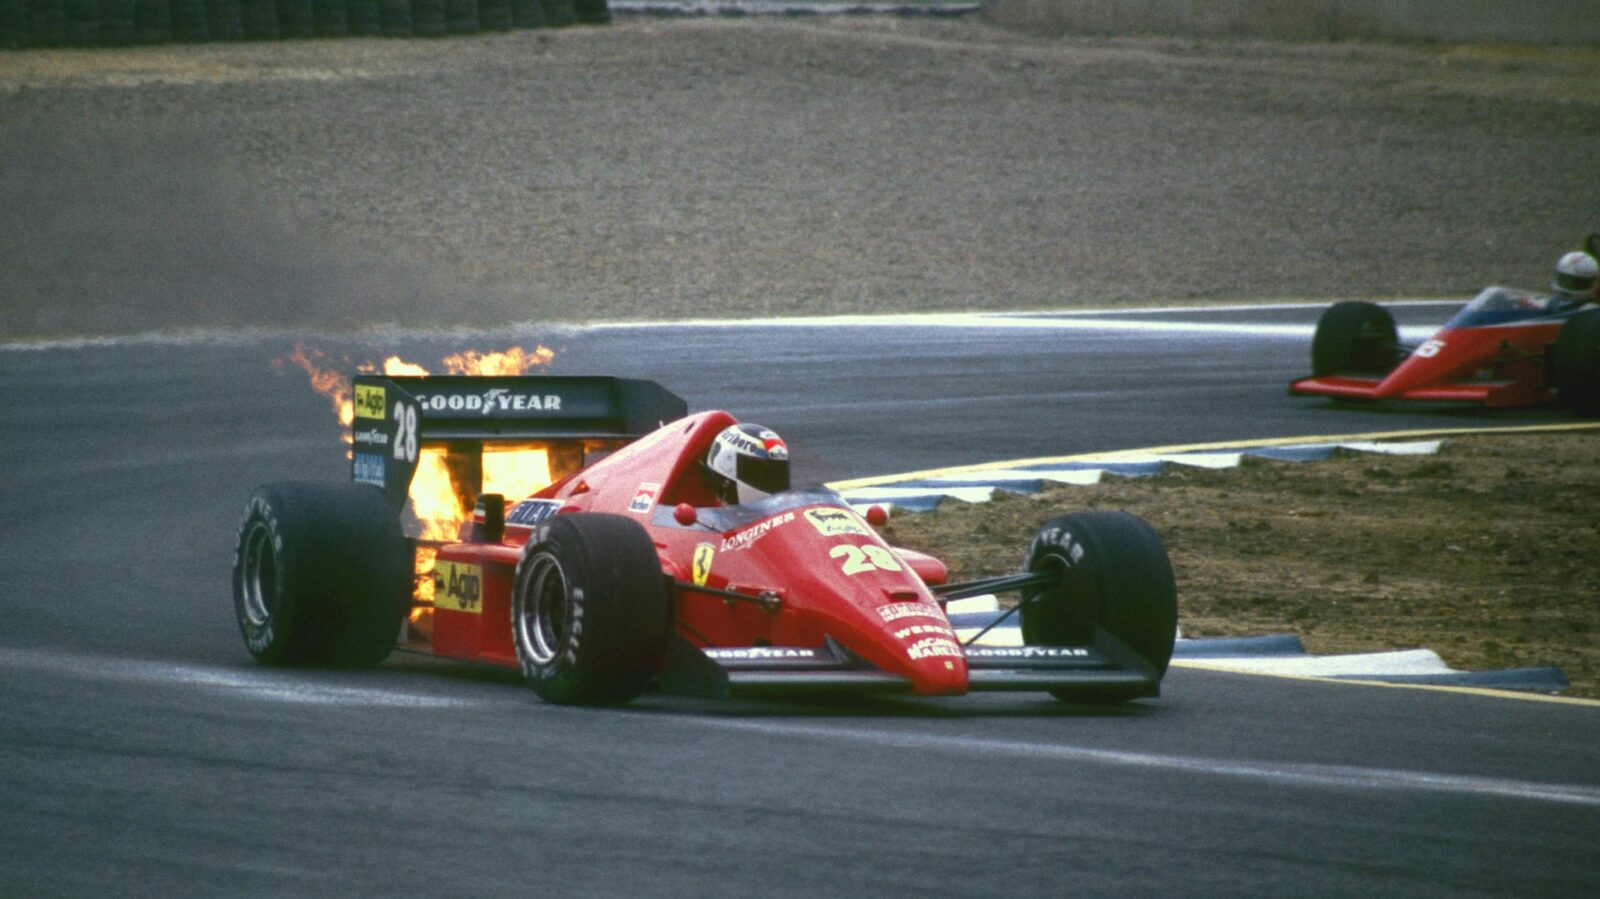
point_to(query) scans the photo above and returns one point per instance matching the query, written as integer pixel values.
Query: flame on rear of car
(443, 491)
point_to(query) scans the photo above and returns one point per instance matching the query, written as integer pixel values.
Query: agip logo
(458, 587)
(371, 401)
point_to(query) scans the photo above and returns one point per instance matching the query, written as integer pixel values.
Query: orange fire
(439, 508)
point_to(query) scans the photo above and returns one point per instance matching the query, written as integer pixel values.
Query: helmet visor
(766, 475)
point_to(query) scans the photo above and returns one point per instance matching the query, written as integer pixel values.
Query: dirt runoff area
(1485, 553)
(771, 166)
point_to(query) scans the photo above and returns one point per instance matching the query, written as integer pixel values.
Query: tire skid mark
(1289, 774)
(256, 685)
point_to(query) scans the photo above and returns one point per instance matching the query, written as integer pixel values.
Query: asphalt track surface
(142, 752)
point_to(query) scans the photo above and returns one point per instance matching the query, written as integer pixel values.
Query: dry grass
(1488, 553)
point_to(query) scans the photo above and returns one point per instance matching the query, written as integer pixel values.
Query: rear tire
(1116, 593)
(1355, 338)
(1575, 363)
(321, 575)
(590, 610)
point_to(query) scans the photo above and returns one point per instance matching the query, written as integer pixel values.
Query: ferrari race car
(1505, 348)
(627, 574)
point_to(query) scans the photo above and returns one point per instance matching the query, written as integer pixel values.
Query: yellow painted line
(932, 473)
(1359, 682)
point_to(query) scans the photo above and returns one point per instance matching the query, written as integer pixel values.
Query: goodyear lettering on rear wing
(493, 401)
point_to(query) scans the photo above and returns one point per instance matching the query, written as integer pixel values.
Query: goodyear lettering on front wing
(458, 587)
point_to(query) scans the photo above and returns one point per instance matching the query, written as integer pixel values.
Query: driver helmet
(1576, 275)
(747, 462)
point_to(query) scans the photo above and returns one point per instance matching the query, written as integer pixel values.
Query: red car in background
(1504, 348)
(625, 574)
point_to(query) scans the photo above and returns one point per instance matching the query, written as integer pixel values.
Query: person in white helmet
(747, 462)
(1576, 281)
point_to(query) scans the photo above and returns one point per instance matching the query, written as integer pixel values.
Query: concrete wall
(1493, 21)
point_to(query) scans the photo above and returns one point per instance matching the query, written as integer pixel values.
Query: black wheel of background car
(329, 16)
(495, 14)
(117, 23)
(394, 17)
(1575, 363)
(558, 13)
(152, 21)
(428, 18)
(1116, 593)
(225, 20)
(363, 17)
(1355, 338)
(590, 610)
(527, 14)
(321, 575)
(592, 12)
(260, 19)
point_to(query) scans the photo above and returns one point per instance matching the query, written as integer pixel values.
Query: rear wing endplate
(395, 416)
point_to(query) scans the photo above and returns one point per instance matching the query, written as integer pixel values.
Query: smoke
(111, 233)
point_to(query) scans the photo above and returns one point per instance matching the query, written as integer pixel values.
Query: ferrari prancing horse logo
(702, 563)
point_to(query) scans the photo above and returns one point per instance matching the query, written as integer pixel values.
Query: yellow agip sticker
(458, 587)
(371, 401)
(702, 563)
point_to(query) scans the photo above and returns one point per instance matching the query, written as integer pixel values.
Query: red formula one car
(627, 574)
(1505, 348)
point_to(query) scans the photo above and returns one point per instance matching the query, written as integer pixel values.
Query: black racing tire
(1116, 582)
(363, 18)
(322, 575)
(527, 14)
(1355, 338)
(592, 12)
(590, 610)
(1575, 363)
(558, 13)
(428, 18)
(152, 21)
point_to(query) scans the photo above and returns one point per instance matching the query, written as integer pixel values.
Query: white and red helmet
(1576, 274)
(747, 462)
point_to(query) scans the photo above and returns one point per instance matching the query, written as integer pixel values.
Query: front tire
(1116, 593)
(590, 610)
(321, 575)
(1575, 363)
(1355, 338)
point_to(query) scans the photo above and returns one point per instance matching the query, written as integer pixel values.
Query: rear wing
(396, 416)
